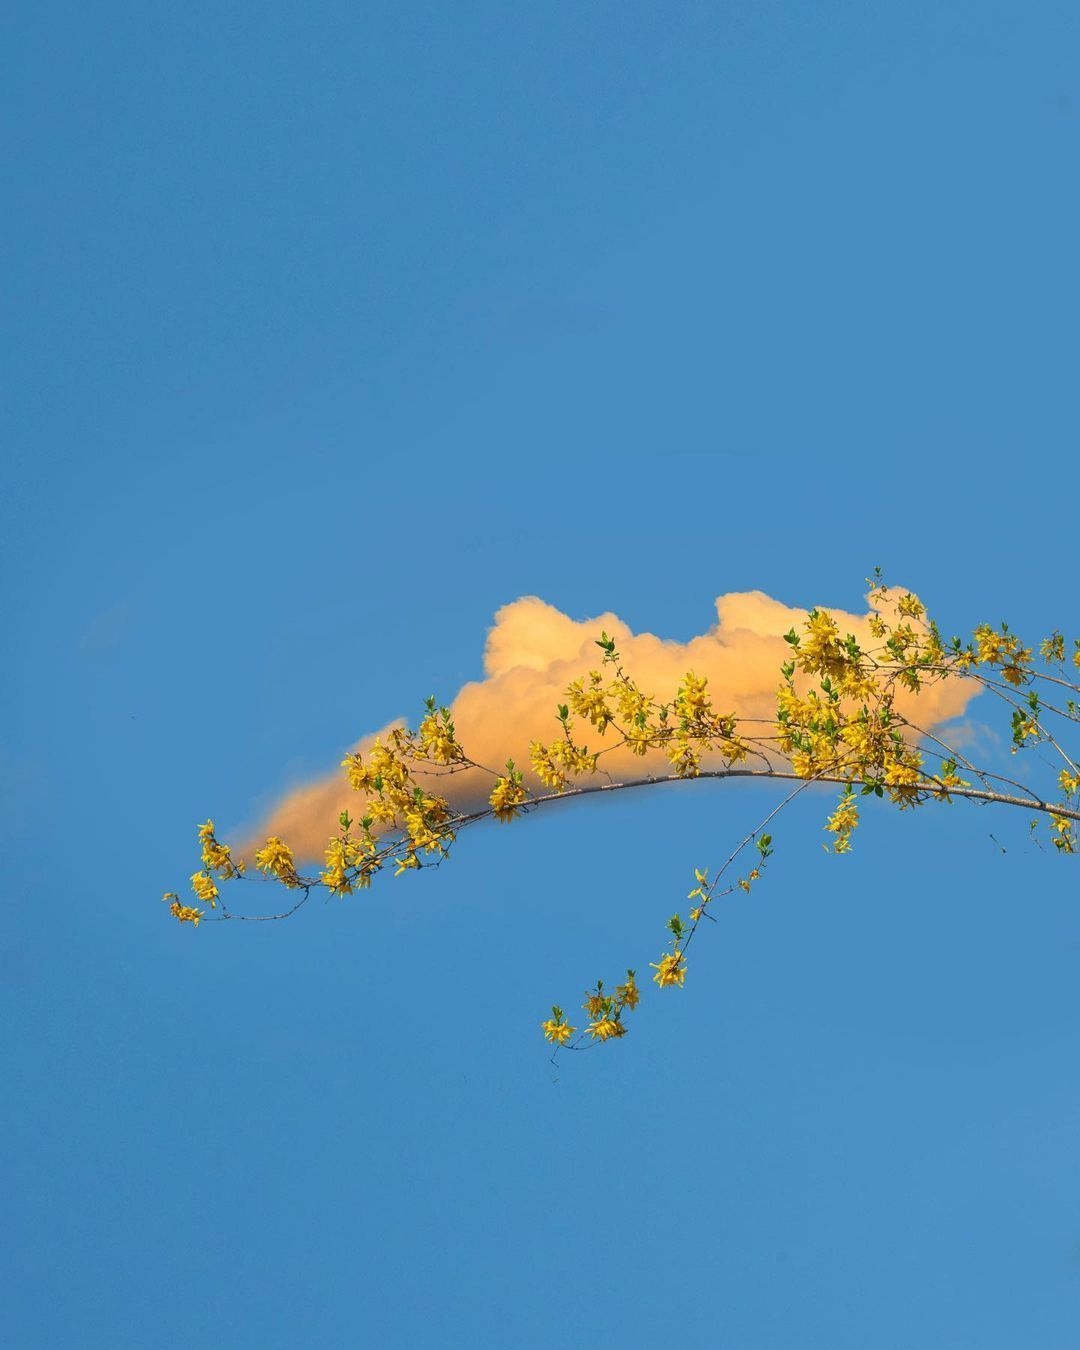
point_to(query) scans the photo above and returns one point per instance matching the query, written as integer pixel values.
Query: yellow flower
(591, 702)
(605, 1028)
(215, 856)
(506, 798)
(684, 758)
(203, 886)
(671, 969)
(339, 857)
(436, 737)
(843, 821)
(692, 701)
(803, 764)
(903, 778)
(185, 913)
(1064, 835)
(359, 775)
(276, 857)
(558, 1033)
(628, 994)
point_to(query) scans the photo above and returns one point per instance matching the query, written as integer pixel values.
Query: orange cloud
(533, 652)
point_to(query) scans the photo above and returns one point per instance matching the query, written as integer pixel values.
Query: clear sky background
(327, 330)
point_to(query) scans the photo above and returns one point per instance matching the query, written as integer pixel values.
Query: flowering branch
(839, 719)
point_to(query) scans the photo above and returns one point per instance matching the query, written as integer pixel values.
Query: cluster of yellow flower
(1063, 833)
(847, 728)
(843, 820)
(590, 701)
(216, 858)
(1052, 650)
(436, 737)
(557, 763)
(276, 858)
(205, 889)
(557, 1029)
(685, 729)
(509, 794)
(1063, 828)
(999, 647)
(184, 913)
(416, 820)
(605, 1010)
(348, 863)
(670, 969)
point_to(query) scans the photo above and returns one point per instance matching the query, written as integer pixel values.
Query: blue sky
(328, 330)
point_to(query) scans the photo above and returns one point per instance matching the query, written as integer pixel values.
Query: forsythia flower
(360, 776)
(185, 913)
(1053, 648)
(671, 969)
(506, 798)
(341, 856)
(820, 651)
(1003, 649)
(216, 857)
(802, 764)
(692, 700)
(553, 763)
(558, 1033)
(628, 994)
(604, 1028)
(902, 779)
(842, 821)
(203, 886)
(436, 736)
(277, 857)
(632, 702)
(591, 702)
(684, 758)
(1064, 835)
